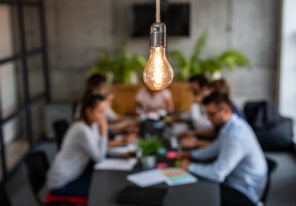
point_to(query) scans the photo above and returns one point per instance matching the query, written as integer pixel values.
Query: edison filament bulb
(158, 73)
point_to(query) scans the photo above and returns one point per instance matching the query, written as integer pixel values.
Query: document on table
(177, 176)
(118, 150)
(171, 176)
(116, 164)
(147, 178)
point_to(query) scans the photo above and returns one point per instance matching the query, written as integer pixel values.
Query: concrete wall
(76, 29)
(287, 72)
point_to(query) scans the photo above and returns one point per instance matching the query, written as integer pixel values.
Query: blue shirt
(240, 162)
(237, 111)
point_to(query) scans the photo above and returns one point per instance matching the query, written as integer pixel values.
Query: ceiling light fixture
(158, 73)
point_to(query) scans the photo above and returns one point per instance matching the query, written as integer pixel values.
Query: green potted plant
(119, 66)
(149, 148)
(229, 59)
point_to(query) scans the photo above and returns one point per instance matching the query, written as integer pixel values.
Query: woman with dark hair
(85, 142)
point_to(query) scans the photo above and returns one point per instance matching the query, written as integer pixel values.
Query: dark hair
(220, 85)
(95, 81)
(217, 98)
(201, 79)
(90, 99)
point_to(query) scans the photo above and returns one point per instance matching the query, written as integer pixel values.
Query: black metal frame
(23, 56)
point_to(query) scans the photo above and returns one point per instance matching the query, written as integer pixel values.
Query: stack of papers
(177, 176)
(117, 151)
(171, 176)
(116, 164)
(147, 178)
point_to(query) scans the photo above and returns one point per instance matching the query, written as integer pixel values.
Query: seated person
(85, 142)
(149, 101)
(240, 163)
(92, 83)
(198, 87)
(221, 86)
(201, 123)
(117, 124)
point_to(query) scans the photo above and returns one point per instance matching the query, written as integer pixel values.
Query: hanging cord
(157, 11)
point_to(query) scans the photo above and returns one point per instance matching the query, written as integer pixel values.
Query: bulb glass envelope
(158, 73)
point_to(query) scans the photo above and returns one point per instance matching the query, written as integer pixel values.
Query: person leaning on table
(85, 142)
(239, 161)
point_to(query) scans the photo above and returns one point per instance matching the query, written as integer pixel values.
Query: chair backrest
(4, 200)
(261, 114)
(271, 164)
(60, 127)
(37, 166)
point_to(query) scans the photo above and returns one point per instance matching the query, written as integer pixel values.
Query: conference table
(106, 184)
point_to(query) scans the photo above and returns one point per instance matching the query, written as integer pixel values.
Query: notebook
(132, 195)
(177, 176)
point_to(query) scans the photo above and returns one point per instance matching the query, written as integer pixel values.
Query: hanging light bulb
(158, 73)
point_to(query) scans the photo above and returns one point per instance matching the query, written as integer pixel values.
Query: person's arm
(89, 144)
(111, 115)
(103, 146)
(169, 102)
(207, 152)
(139, 106)
(103, 141)
(206, 133)
(170, 105)
(230, 155)
(194, 142)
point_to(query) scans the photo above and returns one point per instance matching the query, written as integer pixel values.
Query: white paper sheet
(118, 150)
(147, 178)
(116, 164)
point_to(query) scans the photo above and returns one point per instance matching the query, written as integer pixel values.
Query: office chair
(60, 127)
(37, 165)
(271, 164)
(4, 200)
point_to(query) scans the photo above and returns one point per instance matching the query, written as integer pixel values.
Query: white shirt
(82, 143)
(157, 101)
(111, 115)
(199, 118)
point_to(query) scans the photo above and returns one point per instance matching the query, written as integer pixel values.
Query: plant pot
(148, 162)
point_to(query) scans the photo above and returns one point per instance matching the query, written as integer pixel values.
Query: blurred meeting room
(147, 102)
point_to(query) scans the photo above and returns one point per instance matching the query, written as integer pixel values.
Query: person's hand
(132, 129)
(189, 142)
(103, 127)
(184, 155)
(186, 134)
(198, 97)
(185, 164)
(130, 138)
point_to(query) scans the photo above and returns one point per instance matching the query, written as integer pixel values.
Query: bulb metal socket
(158, 35)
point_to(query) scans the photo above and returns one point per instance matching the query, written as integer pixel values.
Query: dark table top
(106, 185)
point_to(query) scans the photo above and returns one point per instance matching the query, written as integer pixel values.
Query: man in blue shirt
(239, 161)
